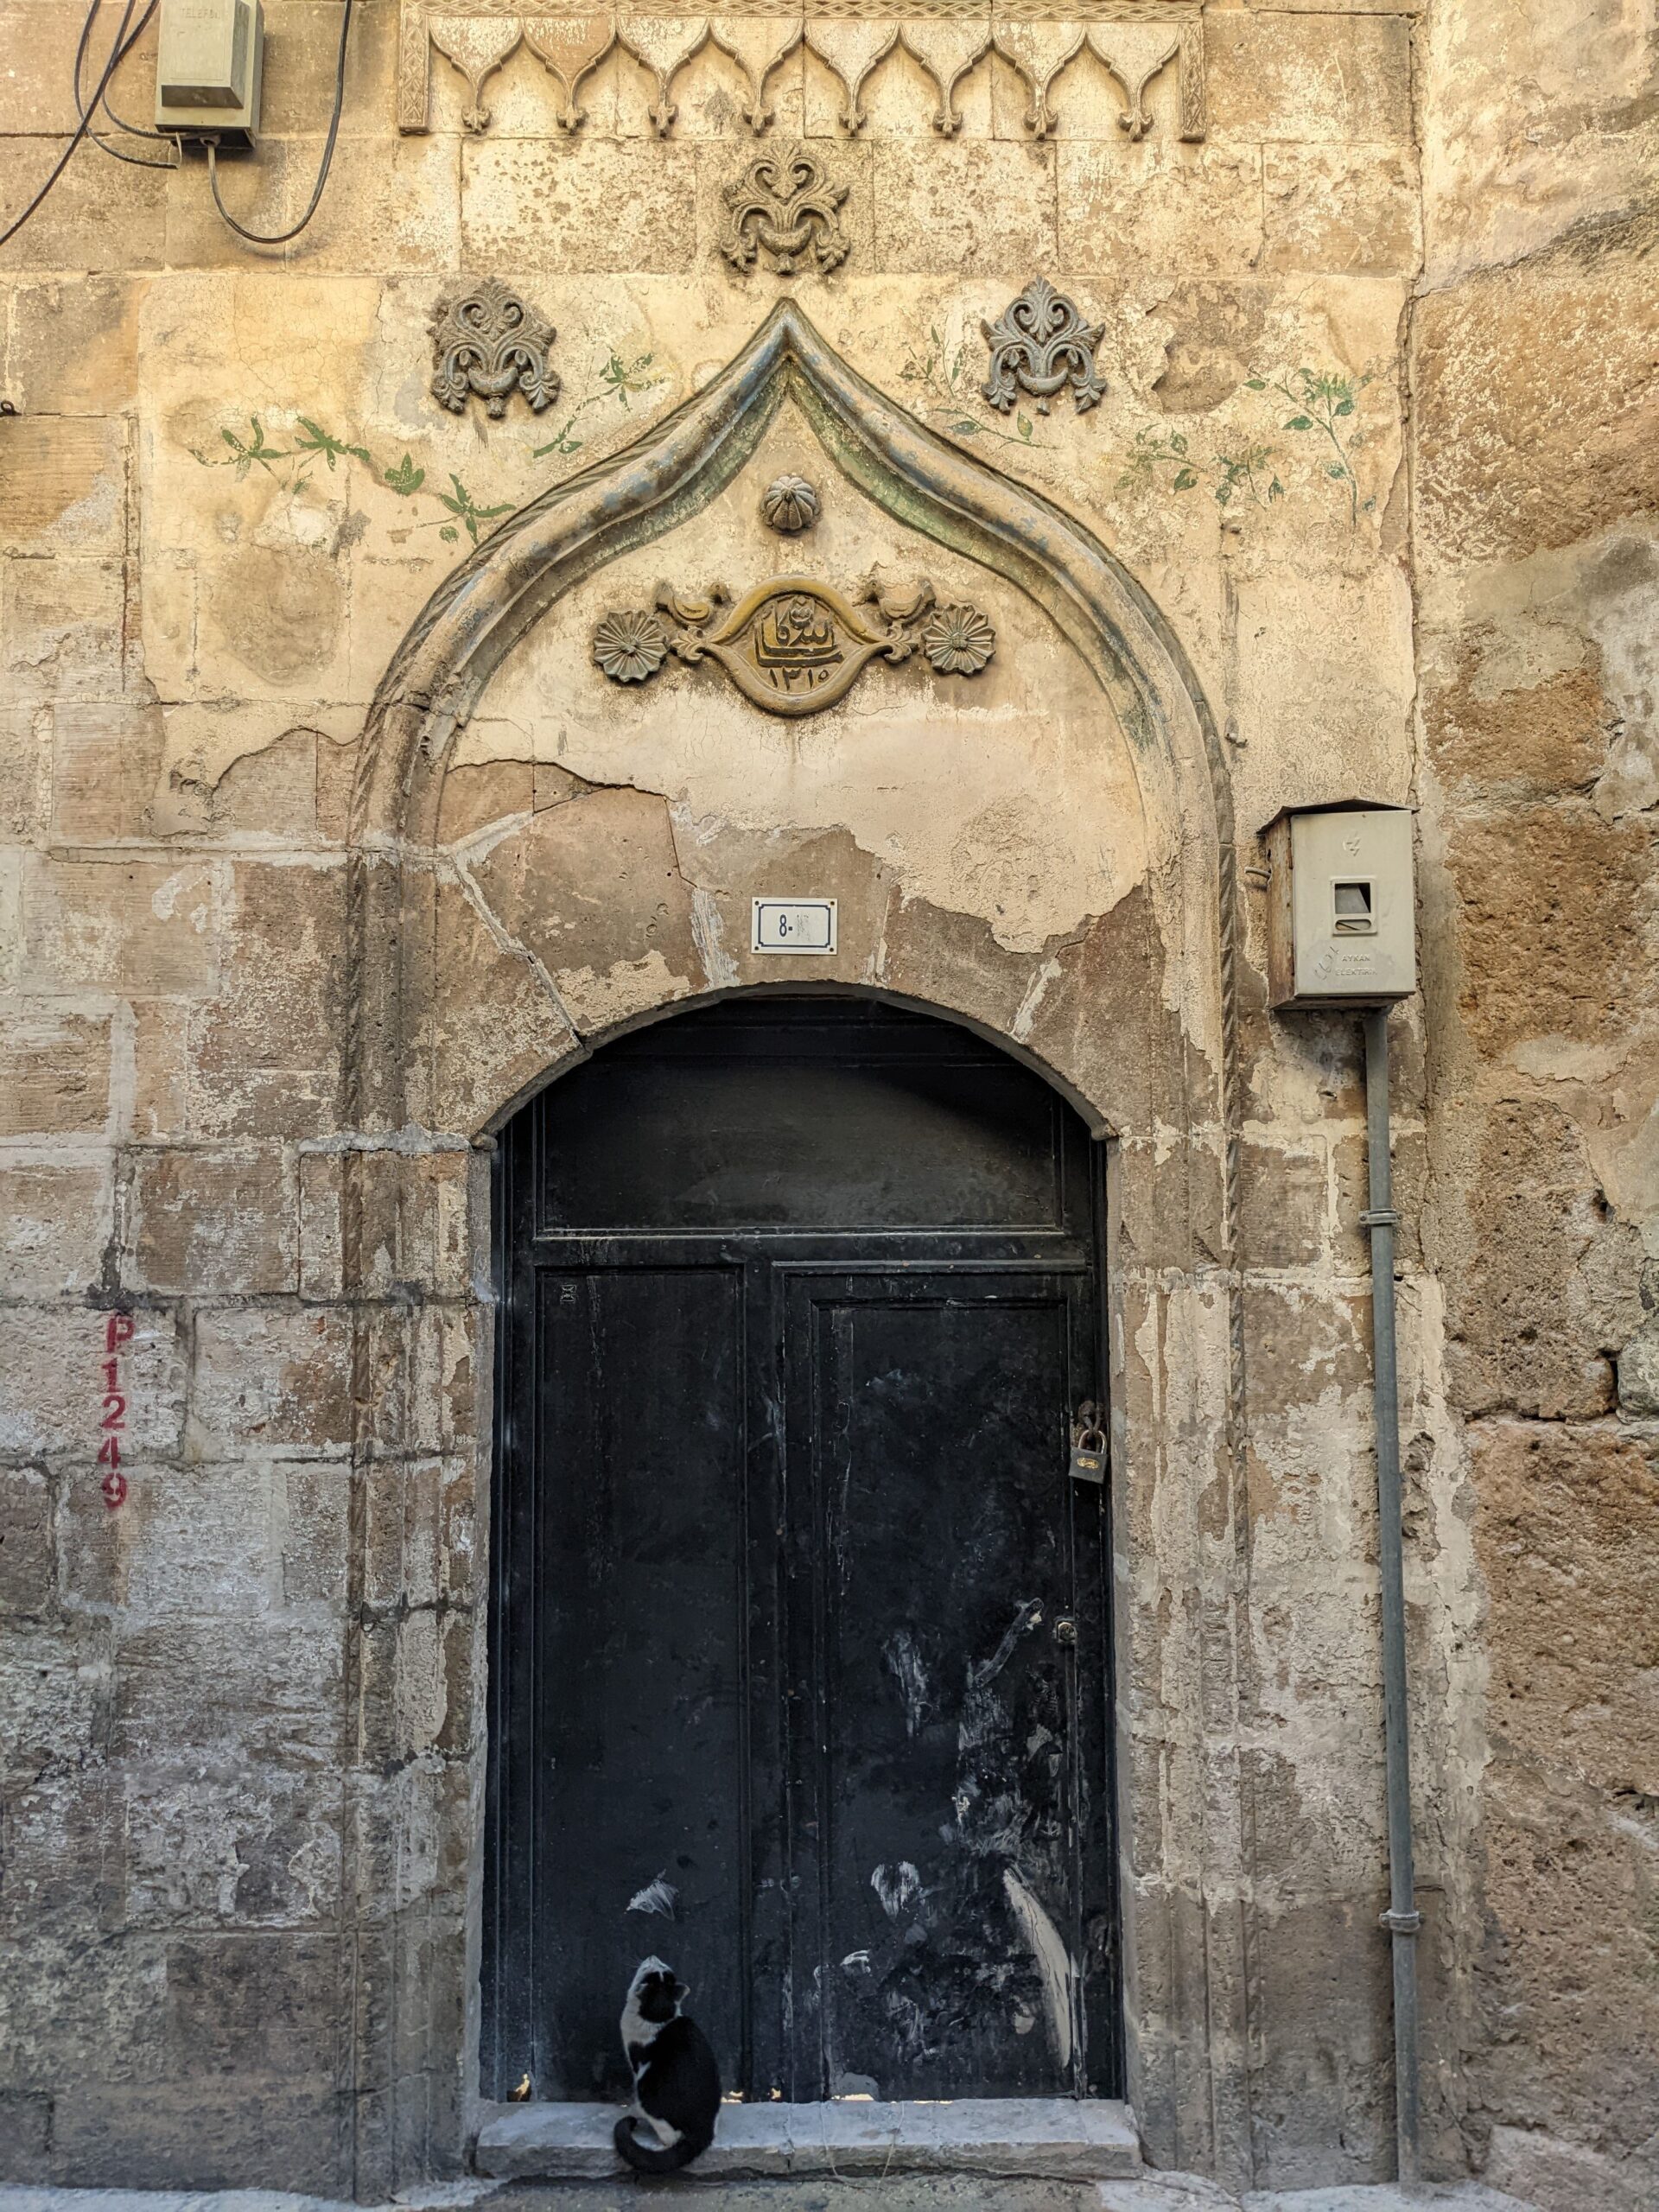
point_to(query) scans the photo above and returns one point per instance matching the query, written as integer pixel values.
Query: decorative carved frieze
(486, 340)
(1039, 345)
(789, 504)
(794, 645)
(786, 207)
(1135, 40)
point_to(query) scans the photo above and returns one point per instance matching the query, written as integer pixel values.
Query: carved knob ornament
(794, 645)
(790, 504)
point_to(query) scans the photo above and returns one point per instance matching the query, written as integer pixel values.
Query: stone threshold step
(1055, 2138)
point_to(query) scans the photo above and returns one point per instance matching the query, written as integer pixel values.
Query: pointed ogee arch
(1180, 1465)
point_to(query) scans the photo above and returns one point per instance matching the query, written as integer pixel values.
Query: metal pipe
(1402, 1920)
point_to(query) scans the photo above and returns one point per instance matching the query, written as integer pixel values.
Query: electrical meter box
(208, 62)
(1342, 927)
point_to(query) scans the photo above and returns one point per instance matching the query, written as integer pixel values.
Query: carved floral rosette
(794, 645)
(1135, 40)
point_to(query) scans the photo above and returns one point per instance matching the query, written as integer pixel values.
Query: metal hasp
(1402, 1920)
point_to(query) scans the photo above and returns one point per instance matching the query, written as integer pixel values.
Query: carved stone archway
(1165, 1084)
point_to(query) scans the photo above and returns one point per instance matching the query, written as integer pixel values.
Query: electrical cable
(133, 160)
(118, 52)
(281, 237)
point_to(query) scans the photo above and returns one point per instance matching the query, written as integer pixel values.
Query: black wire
(133, 160)
(117, 53)
(281, 237)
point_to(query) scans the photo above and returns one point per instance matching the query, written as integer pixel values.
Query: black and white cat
(676, 2080)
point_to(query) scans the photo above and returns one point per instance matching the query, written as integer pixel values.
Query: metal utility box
(1342, 906)
(207, 69)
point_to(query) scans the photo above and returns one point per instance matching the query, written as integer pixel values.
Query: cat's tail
(652, 2157)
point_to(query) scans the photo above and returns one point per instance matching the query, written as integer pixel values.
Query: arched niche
(492, 949)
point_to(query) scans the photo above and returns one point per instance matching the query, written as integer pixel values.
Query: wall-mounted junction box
(207, 69)
(1342, 906)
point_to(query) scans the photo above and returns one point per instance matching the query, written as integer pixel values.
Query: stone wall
(1535, 383)
(286, 934)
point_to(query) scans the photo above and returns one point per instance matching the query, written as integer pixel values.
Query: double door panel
(801, 1666)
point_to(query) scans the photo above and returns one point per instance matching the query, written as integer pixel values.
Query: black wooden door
(799, 1637)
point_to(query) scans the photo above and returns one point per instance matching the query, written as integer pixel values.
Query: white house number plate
(794, 926)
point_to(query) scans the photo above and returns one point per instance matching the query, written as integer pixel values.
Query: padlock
(1089, 1456)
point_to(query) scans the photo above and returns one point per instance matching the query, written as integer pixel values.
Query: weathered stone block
(1338, 78)
(315, 1503)
(75, 339)
(265, 1688)
(28, 1567)
(54, 1071)
(1321, 2111)
(106, 761)
(199, 1542)
(56, 1220)
(64, 627)
(578, 205)
(1568, 1529)
(1535, 1310)
(265, 1059)
(207, 1222)
(1342, 208)
(52, 1382)
(230, 1844)
(63, 484)
(1285, 1205)
(1530, 438)
(269, 1380)
(986, 206)
(150, 927)
(1192, 209)
(97, 216)
(1553, 903)
(205, 2133)
(1566, 1872)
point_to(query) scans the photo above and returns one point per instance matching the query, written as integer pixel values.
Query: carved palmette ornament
(786, 206)
(1039, 345)
(486, 340)
(794, 645)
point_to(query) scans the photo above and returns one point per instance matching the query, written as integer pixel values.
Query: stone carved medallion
(786, 206)
(794, 645)
(486, 340)
(1040, 345)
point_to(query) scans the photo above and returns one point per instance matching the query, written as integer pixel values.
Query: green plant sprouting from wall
(940, 368)
(1319, 402)
(1245, 474)
(617, 380)
(1322, 402)
(459, 508)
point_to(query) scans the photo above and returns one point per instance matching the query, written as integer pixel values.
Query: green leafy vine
(941, 369)
(461, 510)
(1323, 404)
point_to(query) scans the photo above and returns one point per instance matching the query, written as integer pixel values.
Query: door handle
(1065, 1628)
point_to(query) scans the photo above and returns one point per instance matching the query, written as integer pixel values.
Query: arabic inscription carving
(794, 645)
